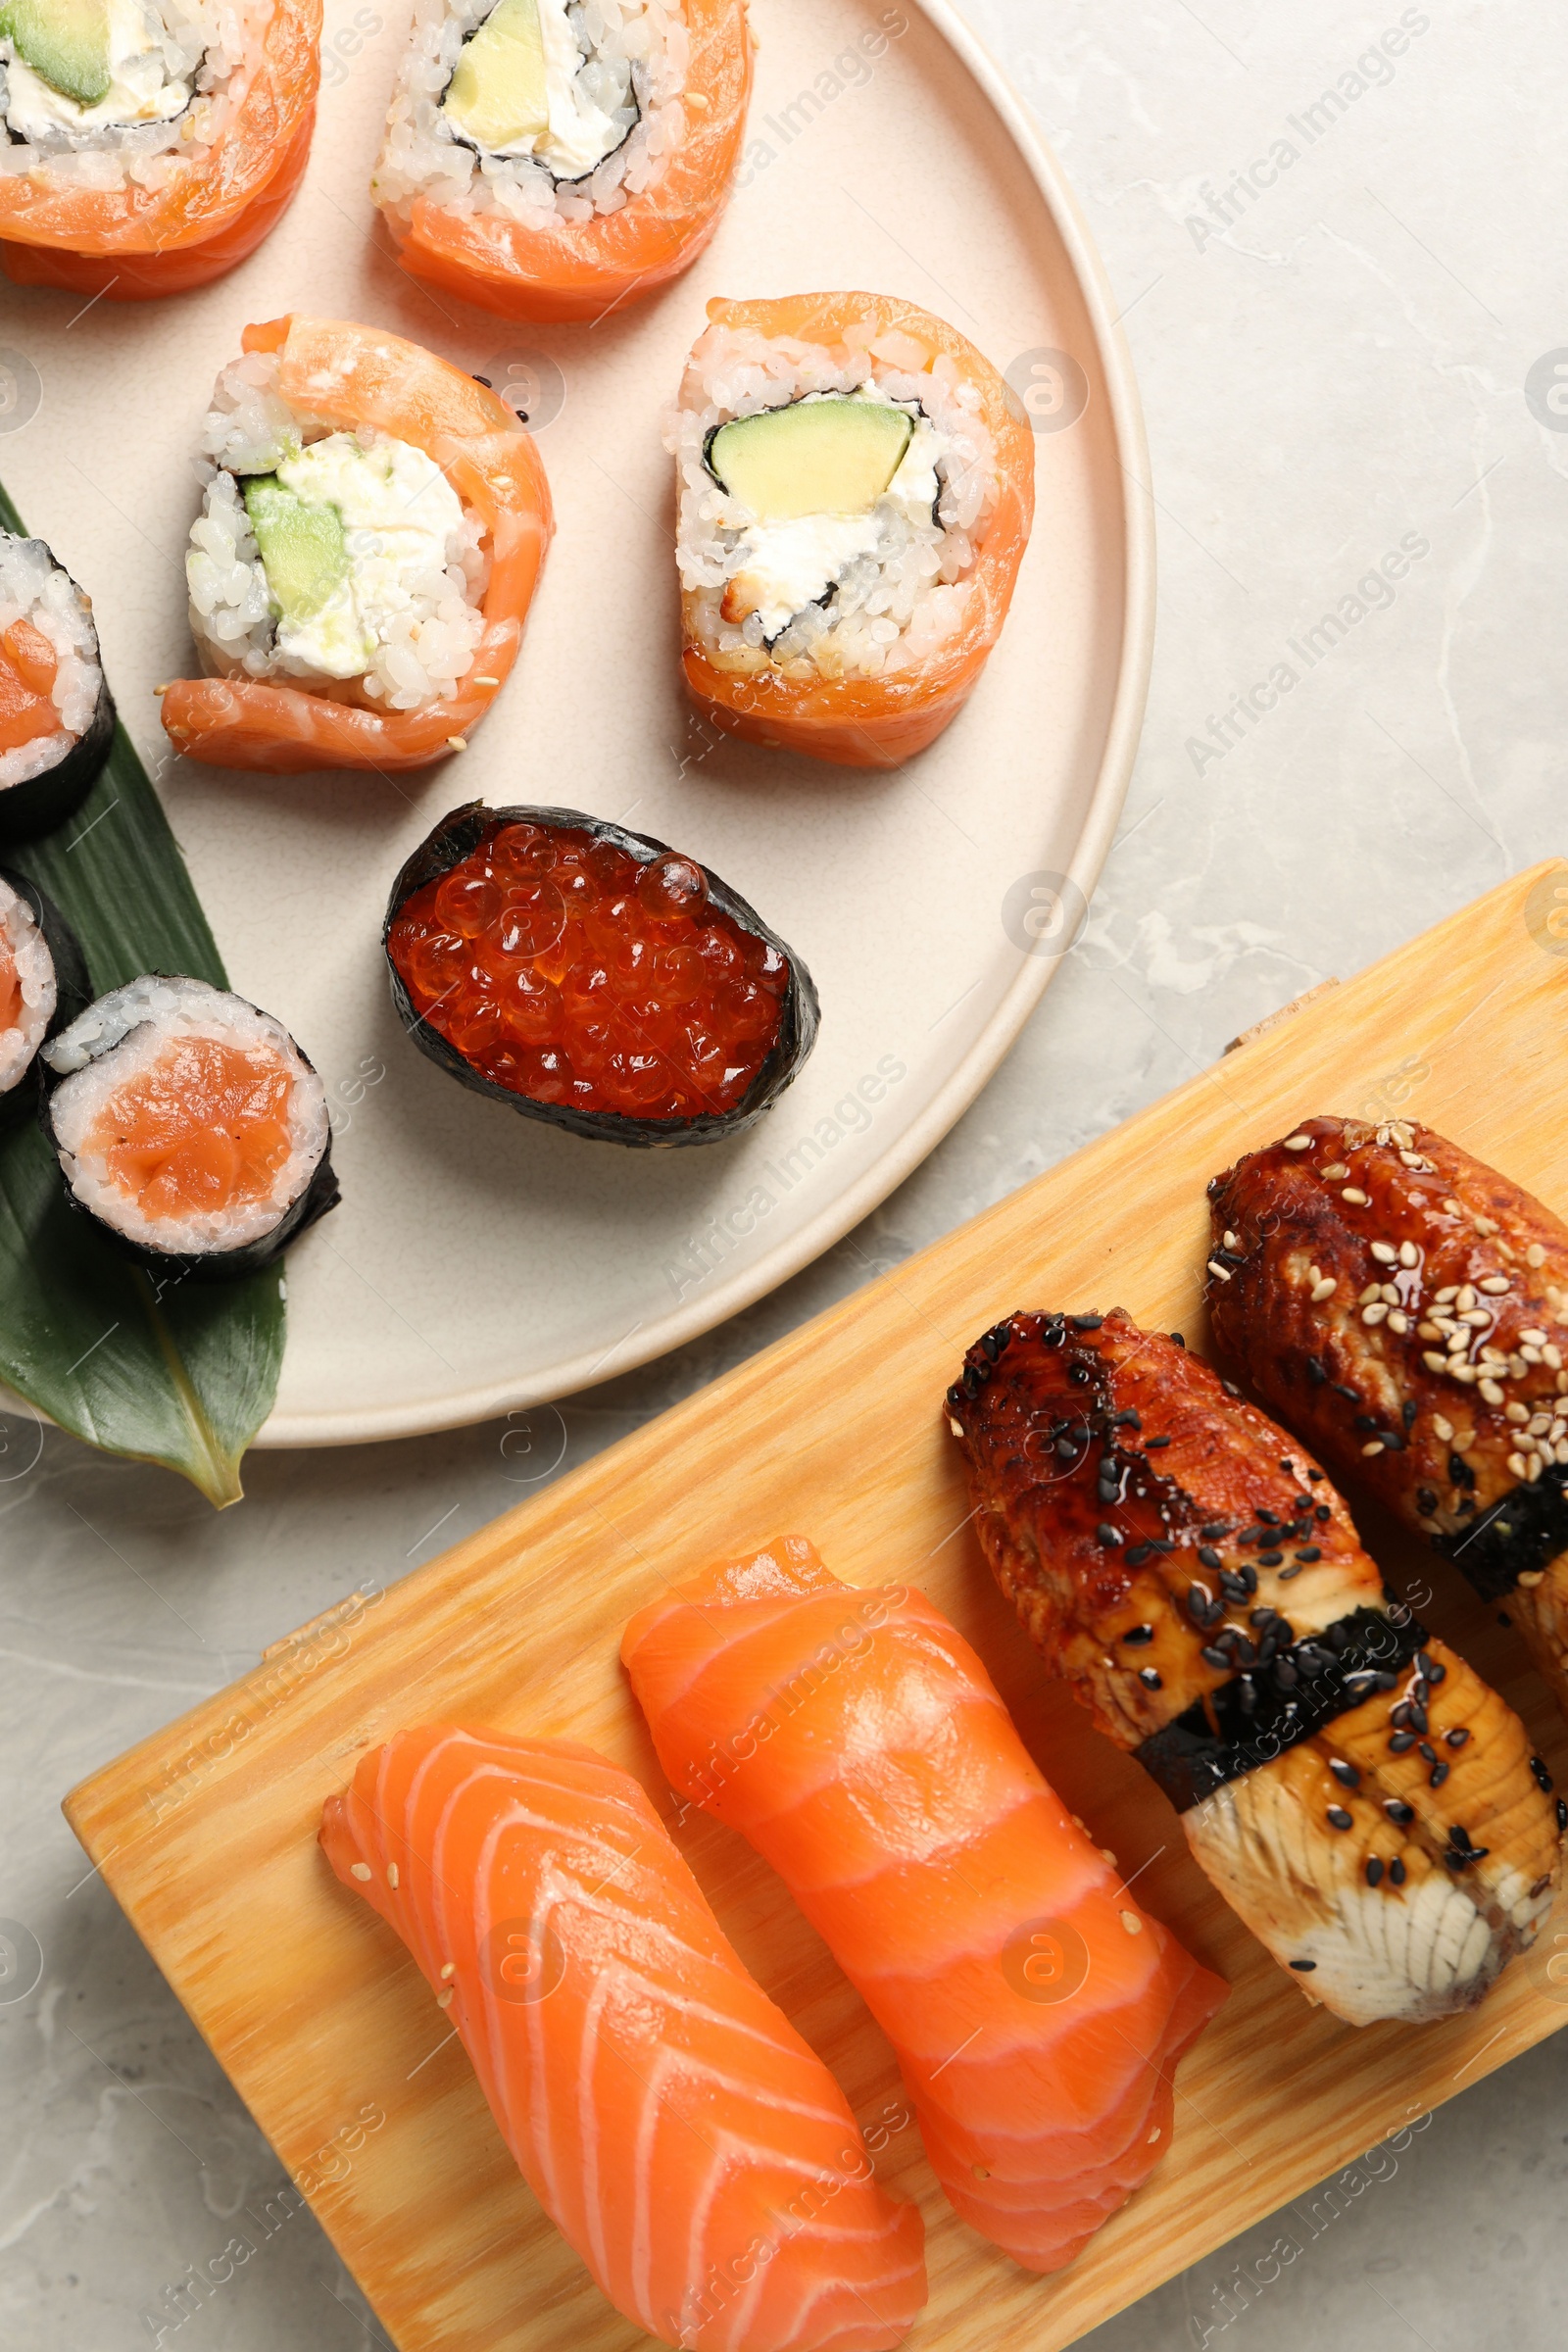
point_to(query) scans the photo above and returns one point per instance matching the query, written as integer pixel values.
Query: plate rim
(491, 1400)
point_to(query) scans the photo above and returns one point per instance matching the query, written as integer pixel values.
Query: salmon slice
(354, 375)
(584, 269)
(26, 673)
(879, 722)
(205, 1129)
(684, 2139)
(1037, 2013)
(137, 241)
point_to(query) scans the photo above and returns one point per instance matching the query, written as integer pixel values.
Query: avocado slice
(498, 94)
(817, 456)
(302, 547)
(66, 42)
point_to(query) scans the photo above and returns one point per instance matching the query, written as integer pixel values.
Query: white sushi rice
(636, 57)
(426, 628)
(128, 1032)
(34, 969)
(180, 68)
(895, 604)
(34, 588)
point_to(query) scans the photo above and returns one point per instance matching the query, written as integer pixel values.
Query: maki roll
(594, 978)
(189, 1126)
(855, 489)
(550, 158)
(43, 984)
(57, 716)
(146, 146)
(368, 543)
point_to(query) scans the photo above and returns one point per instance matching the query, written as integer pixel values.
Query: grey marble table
(1337, 235)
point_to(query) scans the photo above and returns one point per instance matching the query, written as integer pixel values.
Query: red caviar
(562, 968)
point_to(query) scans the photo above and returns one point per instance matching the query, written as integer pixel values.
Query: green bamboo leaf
(182, 1373)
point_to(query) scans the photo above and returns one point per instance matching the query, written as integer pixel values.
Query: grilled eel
(1351, 1787)
(1404, 1309)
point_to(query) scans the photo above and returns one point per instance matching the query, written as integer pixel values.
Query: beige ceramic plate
(480, 1262)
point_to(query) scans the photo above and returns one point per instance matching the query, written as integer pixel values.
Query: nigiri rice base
(34, 587)
(893, 607)
(423, 624)
(637, 54)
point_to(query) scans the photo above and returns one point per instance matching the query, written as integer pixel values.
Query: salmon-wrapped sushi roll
(1037, 2011)
(1352, 1789)
(370, 535)
(146, 146)
(683, 2138)
(1407, 1307)
(554, 159)
(856, 488)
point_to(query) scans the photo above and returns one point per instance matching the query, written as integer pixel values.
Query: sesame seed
(1338, 1818)
(1376, 1446)
(1398, 1321)
(487, 681)
(1131, 1922)
(1374, 1290)
(1152, 2136)
(1436, 1775)
(1345, 1774)
(459, 743)
(1410, 1254)
(1385, 1253)
(443, 2000)
(1530, 1577)
(1230, 1239)
(1396, 1871)
(1486, 1225)
(1494, 1283)
(1356, 1199)
(1324, 1288)
(1374, 1871)
(1465, 1297)
(1537, 1339)
(360, 1870)
(1305, 1965)
(392, 1873)
(1536, 1255)
(450, 1969)
(1400, 1742)
(1337, 1168)
(1443, 1428)
(1376, 1313)
(1464, 1374)
(1433, 1361)
(1491, 1391)
(1222, 1272)
(1298, 1143)
(1398, 1811)
(1150, 1678)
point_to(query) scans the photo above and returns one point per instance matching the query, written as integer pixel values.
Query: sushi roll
(594, 978)
(370, 535)
(146, 146)
(1350, 1785)
(43, 985)
(855, 489)
(1407, 1307)
(551, 159)
(189, 1126)
(57, 715)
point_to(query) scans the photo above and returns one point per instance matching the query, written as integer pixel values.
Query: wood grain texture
(207, 1832)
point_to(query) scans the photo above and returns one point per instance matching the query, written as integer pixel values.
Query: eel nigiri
(1199, 1583)
(678, 2131)
(856, 1741)
(1407, 1307)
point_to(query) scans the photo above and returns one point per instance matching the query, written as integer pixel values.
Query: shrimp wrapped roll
(1350, 1787)
(1407, 1307)
(367, 548)
(555, 159)
(856, 494)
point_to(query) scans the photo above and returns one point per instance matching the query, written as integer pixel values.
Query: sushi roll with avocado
(856, 487)
(43, 985)
(57, 717)
(594, 978)
(189, 1125)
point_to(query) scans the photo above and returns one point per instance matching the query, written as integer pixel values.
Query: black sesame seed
(992, 1345)
(1176, 1339)
(971, 1383)
(1246, 1697)
(1397, 1810)
(1150, 1678)
(1286, 1675)
(1286, 1573)
(1138, 1635)
(1399, 1716)
(1127, 1418)
(1310, 1552)
(956, 1397)
(1316, 1476)
(1316, 1375)
(1269, 1518)
(1352, 1395)
(1053, 1334)
(1087, 1322)
(1212, 1532)
(1305, 1965)
(1562, 1812)
(1408, 1412)
(1427, 1751)
(1426, 1503)
(1217, 1658)
(1210, 1556)
(1538, 1765)
(1400, 1742)
(1455, 1738)
(1345, 1774)
(1079, 1373)
(1367, 1421)
(1374, 1872)
(1459, 1836)
(1392, 1440)
(1427, 1667)
(1323, 1510)
(1460, 1471)
(1338, 1818)
(1249, 1577)
(1138, 1553)
(1503, 1617)
(1153, 1444)
(1107, 1533)
(1436, 1775)
(1396, 1871)
(1418, 1717)
(1271, 1559)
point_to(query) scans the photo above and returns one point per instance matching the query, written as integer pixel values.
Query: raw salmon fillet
(1038, 2014)
(682, 2136)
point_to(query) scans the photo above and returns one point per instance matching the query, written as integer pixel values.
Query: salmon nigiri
(1038, 2014)
(676, 2128)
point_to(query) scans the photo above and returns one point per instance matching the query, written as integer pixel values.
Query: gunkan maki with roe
(594, 978)
(189, 1126)
(57, 717)
(43, 985)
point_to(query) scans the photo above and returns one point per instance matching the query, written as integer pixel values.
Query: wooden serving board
(207, 1832)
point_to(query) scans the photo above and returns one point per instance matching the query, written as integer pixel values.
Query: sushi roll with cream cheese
(43, 985)
(370, 535)
(57, 717)
(856, 488)
(188, 1124)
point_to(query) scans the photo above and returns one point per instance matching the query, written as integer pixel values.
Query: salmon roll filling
(189, 1124)
(543, 111)
(55, 716)
(342, 562)
(42, 982)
